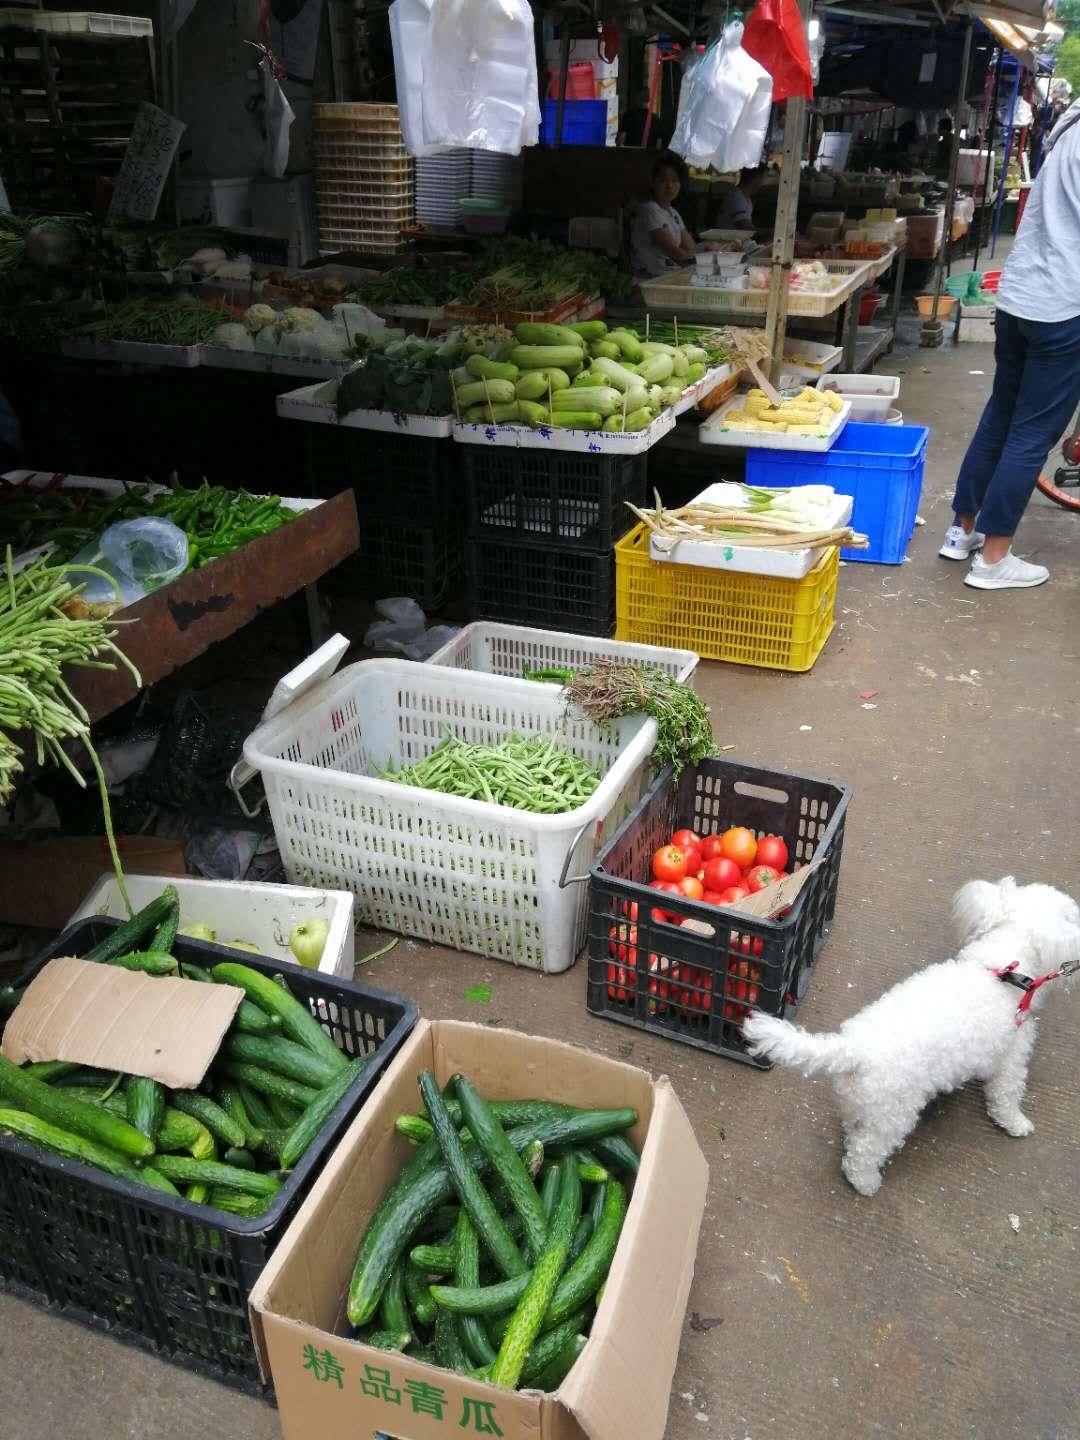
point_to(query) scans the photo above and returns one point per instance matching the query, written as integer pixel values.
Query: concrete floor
(922, 1313)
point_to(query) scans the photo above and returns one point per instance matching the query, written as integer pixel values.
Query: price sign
(147, 160)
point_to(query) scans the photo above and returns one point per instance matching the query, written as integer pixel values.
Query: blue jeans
(1036, 392)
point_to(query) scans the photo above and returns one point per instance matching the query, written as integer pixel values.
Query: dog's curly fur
(941, 1027)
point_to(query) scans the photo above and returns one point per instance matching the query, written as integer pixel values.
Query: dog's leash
(1011, 975)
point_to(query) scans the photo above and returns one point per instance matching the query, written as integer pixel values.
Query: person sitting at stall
(737, 206)
(659, 240)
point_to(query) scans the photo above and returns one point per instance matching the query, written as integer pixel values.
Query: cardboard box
(42, 881)
(337, 1389)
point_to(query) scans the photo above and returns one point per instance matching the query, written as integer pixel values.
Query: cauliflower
(266, 341)
(233, 336)
(298, 317)
(258, 317)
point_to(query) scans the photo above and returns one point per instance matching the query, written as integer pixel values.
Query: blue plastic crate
(880, 465)
(584, 122)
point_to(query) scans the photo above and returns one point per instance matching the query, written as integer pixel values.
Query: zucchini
(479, 367)
(656, 369)
(532, 1307)
(639, 419)
(617, 375)
(695, 354)
(474, 1198)
(229, 1098)
(461, 376)
(697, 371)
(318, 1113)
(467, 1273)
(418, 1293)
(679, 363)
(604, 399)
(506, 1163)
(607, 348)
(552, 1375)
(78, 1147)
(449, 1351)
(435, 1259)
(270, 1084)
(210, 1114)
(285, 1057)
(484, 392)
(589, 330)
(212, 1172)
(150, 962)
(548, 357)
(507, 414)
(393, 1313)
(73, 1116)
(145, 1104)
(295, 1019)
(656, 347)
(165, 934)
(536, 384)
(577, 420)
(533, 414)
(529, 333)
(248, 1207)
(628, 343)
(134, 931)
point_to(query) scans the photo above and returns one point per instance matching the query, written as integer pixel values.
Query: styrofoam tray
(748, 559)
(705, 386)
(588, 442)
(182, 357)
(712, 432)
(810, 357)
(317, 405)
(262, 915)
(218, 357)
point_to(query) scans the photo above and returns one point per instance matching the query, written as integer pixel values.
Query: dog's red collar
(1011, 975)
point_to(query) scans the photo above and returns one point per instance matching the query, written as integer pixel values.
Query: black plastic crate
(698, 984)
(544, 585)
(408, 559)
(157, 1271)
(557, 497)
(403, 479)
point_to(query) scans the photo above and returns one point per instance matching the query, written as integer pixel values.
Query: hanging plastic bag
(724, 107)
(409, 21)
(775, 37)
(140, 555)
(278, 118)
(479, 76)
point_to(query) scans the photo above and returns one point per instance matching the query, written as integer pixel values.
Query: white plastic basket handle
(564, 879)
(317, 667)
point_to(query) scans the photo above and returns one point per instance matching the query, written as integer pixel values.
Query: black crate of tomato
(697, 983)
(152, 1269)
(545, 585)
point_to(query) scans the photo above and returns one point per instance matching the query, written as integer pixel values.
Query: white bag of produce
(408, 31)
(479, 75)
(233, 336)
(141, 556)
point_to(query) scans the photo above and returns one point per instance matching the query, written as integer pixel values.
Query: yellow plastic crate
(724, 615)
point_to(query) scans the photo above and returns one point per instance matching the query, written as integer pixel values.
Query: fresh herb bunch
(610, 689)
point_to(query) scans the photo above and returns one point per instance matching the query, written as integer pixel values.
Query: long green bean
(525, 773)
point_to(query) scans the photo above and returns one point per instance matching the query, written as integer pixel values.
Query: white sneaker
(959, 545)
(1010, 573)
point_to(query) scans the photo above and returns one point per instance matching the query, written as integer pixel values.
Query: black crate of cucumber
(698, 982)
(161, 1272)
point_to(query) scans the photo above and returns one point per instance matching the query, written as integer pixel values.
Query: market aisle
(816, 1313)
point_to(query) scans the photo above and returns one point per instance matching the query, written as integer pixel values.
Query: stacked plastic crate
(364, 178)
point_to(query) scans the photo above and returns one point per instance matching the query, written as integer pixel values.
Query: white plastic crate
(489, 648)
(462, 873)
(674, 291)
(262, 915)
(871, 396)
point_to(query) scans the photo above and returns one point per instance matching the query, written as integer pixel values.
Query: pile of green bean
(154, 322)
(524, 773)
(44, 626)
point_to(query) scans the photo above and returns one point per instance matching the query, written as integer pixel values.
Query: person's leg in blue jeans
(984, 452)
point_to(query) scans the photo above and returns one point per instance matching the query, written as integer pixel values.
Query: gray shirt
(1041, 278)
(646, 257)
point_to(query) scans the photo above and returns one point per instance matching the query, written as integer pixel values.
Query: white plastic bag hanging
(409, 21)
(479, 76)
(724, 107)
(278, 118)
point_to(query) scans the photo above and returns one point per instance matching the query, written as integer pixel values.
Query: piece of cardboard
(338, 1389)
(114, 1019)
(43, 881)
(763, 904)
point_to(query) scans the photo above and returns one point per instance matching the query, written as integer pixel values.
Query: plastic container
(493, 649)
(777, 624)
(584, 122)
(459, 872)
(570, 499)
(402, 557)
(869, 304)
(403, 478)
(880, 465)
(674, 290)
(485, 223)
(703, 985)
(925, 305)
(159, 1271)
(871, 396)
(557, 586)
(263, 915)
(580, 82)
(224, 201)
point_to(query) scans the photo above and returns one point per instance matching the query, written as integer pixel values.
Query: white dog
(965, 1019)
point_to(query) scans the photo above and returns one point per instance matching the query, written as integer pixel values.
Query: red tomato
(669, 863)
(694, 862)
(659, 989)
(710, 847)
(711, 897)
(686, 840)
(691, 887)
(747, 945)
(629, 907)
(626, 949)
(669, 888)
(622, 944)
(738, 844)
(721, 873)
(771, 850)
(733, 894)
(759, 876)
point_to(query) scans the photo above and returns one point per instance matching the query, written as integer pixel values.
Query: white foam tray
(712, 432)
(317, 405)
(218, 357)
(705, 386)
(133, 352)
(588, 442)
(748, 559)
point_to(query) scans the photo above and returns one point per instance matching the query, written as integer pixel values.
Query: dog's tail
(787, 1044)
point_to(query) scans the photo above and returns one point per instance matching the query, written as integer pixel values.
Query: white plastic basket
(493, 649)
(462, 873)
(674, 291)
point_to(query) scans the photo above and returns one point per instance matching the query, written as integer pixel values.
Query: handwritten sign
(149, 155)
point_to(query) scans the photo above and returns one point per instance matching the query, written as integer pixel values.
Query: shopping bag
(775, 37)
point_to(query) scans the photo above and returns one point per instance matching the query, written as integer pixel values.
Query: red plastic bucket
(580, 82)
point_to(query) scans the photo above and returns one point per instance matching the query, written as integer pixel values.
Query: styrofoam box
(261, 915)
(587, 442)
(809, 358)
(871, 396)
(317, 404)
(713, 432)
(747, 559)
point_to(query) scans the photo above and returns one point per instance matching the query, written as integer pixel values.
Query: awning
(1013, 28)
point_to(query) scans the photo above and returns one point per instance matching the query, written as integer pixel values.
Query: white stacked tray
(441, 183)
(497, 177)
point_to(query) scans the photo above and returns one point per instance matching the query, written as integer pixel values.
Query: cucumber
(449, 1351)
(210, 1114)
(165, 934)
(435, 1259)
(415, 1128)
(474, 1198)
(176, 1132)
(241, 1158)
(295, 1019)
(77, 1147)
(10, 995)
(191, 971)
(286, 1057)
(425, 1184)
(270, 1144)
(549, 1190)
(552, 1375)
(233, 1203)
(617, 1153)
(198, 1194)
(134, 931)
(256, 1107)
(145, 1104)
(467, 1273)
(212, 1172)
(228, 1097)
(388, 1339)
(597, 1208)
(268, 1083)
(531, 1309)
(393, 1313)
(57, 1109)
(150, 962)
(83, 1075)
(318, 1113)
(551, 1346)
(285, 1114)
(591, 1172)
(581, 1238)
(50, 1070)
(418, 1294)
(505, 1162)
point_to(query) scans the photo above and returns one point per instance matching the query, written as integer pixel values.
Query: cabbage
(257, 317)
(266, 341)
(233, 336)
(298, 317)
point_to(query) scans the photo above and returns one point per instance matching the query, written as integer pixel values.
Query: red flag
(775, 37)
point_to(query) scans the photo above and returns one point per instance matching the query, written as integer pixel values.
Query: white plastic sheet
(724, 107)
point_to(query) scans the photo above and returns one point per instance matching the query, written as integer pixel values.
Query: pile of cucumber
(272, 1086)
(489, 1252)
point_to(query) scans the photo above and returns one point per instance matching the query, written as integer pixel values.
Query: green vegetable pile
(514, 1209)
(531, 274)
(154, 322)
(273, 1085)
(431, 286)
(609, 689)
(526, 774)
